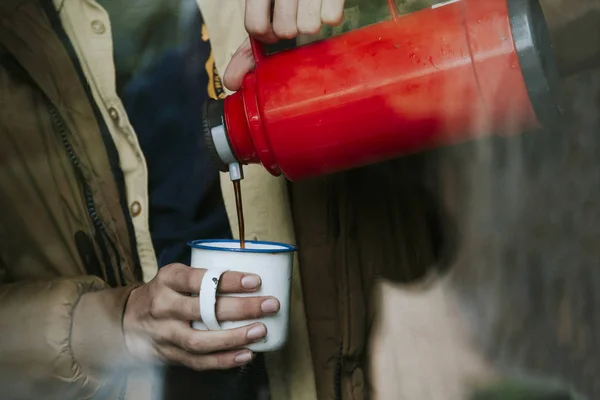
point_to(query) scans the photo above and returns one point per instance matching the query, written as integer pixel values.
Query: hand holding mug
(157, 319)
(272, 261)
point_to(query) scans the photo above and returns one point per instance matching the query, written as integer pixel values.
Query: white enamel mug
(271, 261)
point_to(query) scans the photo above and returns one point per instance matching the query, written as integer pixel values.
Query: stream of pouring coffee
(240, 212)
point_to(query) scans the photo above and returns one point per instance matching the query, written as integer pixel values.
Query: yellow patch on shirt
(215, 85)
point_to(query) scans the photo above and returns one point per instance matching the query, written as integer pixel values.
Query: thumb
(241, 64)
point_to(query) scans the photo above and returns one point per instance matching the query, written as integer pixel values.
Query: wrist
(97, 340)
(130, 335)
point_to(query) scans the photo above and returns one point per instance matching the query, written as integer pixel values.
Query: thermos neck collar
(215, 135)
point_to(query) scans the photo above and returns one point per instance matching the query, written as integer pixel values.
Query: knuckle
(179, 269)
(287, 31)
(171, 269)
(257, 27)
(165, 272)
(332, 17)
(194, 343)
(160, 278)
(176, 271)
(309, 28)
(157, 308)
(332, 21)
(180, 274)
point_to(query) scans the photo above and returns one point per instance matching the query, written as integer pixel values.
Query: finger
(258, 20)
(171, 305)
(245, 308)
(184, 279)
(204, 342)
(332, 12)
(240, 65)
(181, 278)
(218, 361)
(309, 16)
(186, 308)
(238, 282)
(284, 19)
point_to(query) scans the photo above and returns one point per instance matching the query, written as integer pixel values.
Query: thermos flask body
(454, 72)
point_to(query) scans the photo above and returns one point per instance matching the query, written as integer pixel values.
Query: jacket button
(136, 208)
(114, 114)
(98, 27)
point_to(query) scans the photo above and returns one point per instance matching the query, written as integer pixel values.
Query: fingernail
(250, 282)
(257, 332)
(270, 306)
(243, 357)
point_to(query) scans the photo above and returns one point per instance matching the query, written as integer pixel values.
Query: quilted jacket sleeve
(60, 339)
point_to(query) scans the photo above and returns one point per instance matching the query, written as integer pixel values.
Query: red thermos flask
(447, 74)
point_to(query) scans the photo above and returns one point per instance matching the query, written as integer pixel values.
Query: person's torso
(63, 208)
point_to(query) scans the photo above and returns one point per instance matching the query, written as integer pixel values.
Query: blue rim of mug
(204, 244)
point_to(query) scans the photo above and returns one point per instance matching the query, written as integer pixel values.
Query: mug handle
(208, 298)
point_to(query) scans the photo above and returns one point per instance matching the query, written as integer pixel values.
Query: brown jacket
(67, 235)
